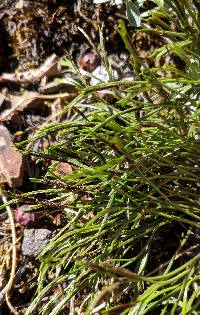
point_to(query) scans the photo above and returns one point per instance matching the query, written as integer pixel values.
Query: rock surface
(11, 161)
(35, 240)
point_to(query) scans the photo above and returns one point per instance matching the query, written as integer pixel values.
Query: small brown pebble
(11, 161)
(89, 61)
(63, 169)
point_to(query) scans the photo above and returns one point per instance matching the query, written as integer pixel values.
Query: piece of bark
(49, 68)
(11, 161)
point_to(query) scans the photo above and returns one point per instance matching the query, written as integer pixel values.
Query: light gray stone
(35, 240)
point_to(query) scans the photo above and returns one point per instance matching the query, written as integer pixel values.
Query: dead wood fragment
(11, 161)
(52, 87)
(8, 114)
(49, 68)
(18, 103)
(28, 100)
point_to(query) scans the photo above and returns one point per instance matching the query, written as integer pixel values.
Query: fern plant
(131, 204)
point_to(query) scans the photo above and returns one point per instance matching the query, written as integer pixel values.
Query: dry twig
(49, 68)
(9, 285)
